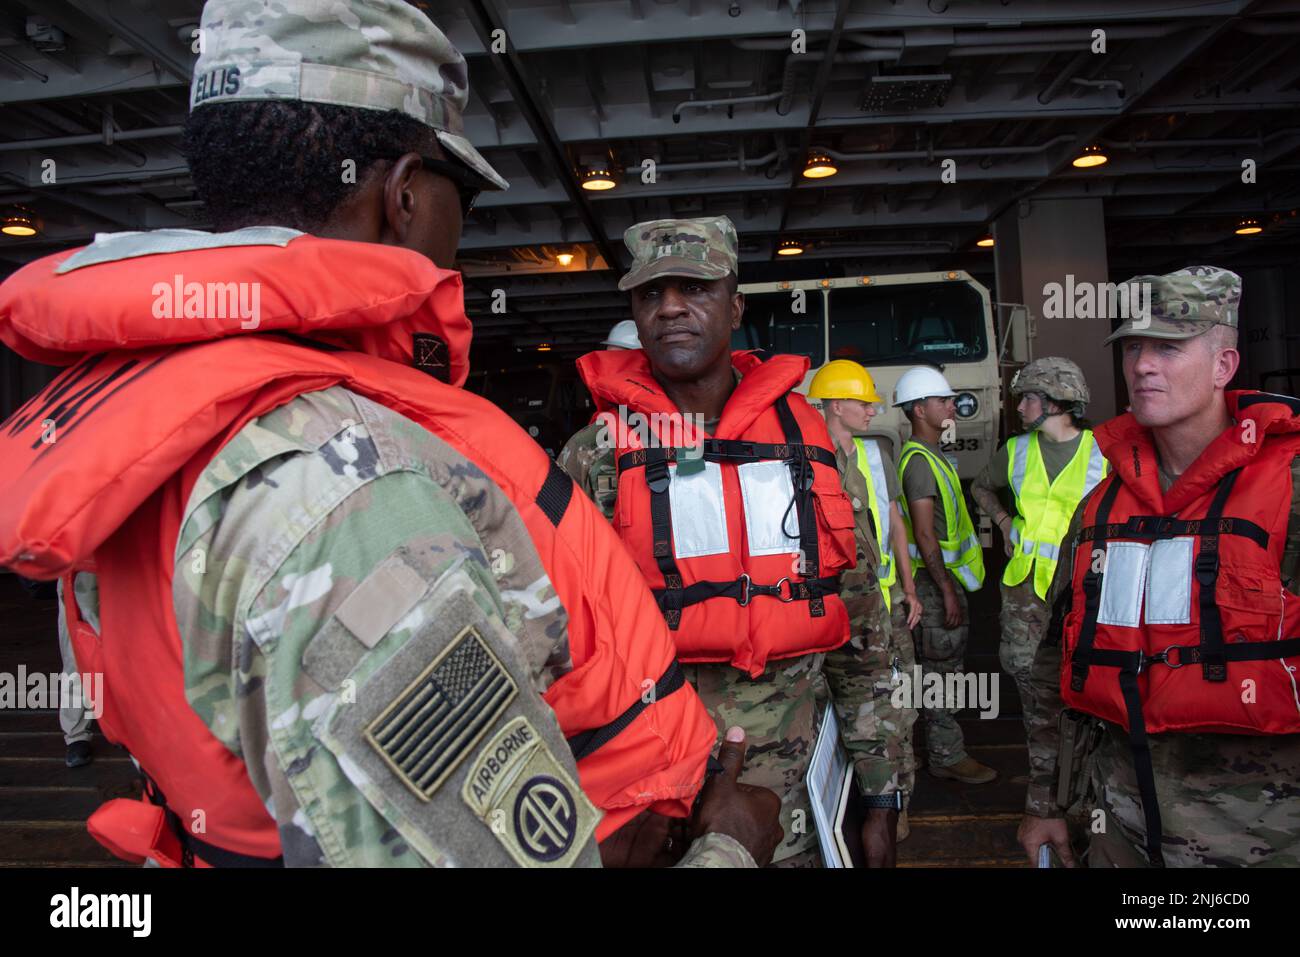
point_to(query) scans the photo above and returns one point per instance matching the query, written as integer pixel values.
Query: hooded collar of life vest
(624, 378)
(382, 300)
(1131, 450)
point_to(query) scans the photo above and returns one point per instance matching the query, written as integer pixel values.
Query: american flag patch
(440, 715)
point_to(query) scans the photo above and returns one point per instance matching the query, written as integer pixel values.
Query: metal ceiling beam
(824, 69)
(486, 18)
(149, 35)
(1163, 63)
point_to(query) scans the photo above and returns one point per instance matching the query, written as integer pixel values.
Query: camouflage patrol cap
(371, 54)
(1185, 304)
(705, 248)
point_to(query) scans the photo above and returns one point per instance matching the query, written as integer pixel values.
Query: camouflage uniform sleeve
(592, 466)
(984, 489)
(859, 674)
(717, 850)
(1045, 679)
(346, 639)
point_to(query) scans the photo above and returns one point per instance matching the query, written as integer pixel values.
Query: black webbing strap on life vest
(743, 590)
(586, 742)
(734, 451)
(1082, 655)
(192, 847)
(1214, 666)
(661, 527)
(801, 475)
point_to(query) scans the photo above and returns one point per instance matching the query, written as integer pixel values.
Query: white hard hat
(921, 382)
(623, 336)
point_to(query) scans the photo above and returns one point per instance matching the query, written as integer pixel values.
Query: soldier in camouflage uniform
(1053, 396)
(332, 544)
(778, 709)
(1224, 799)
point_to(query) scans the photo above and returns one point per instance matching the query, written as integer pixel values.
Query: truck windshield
(922, 322)
(771, 322)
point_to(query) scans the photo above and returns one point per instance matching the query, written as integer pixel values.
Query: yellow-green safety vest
(962, 553)
(1044, 508)
(872, 468)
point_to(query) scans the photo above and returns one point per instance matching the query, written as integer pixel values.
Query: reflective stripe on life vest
(872, 467)
(962, 553)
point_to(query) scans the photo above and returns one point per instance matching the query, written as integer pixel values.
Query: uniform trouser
(73, 718)
(1226, 800)
(940, 651)
(778, 711)
(1024, 620)
(903, 650)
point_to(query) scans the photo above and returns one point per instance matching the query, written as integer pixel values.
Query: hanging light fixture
(789, 247)
(819, 166)
(564, 258)
(1091, 156)
(1248, 227)
(986, 242)
(597, 178)
(19, 223)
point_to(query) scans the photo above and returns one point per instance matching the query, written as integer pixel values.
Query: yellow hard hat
(843, 379)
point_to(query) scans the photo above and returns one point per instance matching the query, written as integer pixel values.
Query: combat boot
(967, 771)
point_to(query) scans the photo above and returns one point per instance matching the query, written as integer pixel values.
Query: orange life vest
(1177, 617)
(744, 553)
(139, 415)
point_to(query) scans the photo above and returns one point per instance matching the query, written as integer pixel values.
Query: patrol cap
(704, 248)
(371, 54)
(1185, 304)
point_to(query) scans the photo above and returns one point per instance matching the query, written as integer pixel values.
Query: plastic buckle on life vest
(1207, 567)
(656, 476)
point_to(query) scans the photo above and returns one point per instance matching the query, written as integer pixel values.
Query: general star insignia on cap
(426, 730)
(371, 54)
(703, 248)
(527, 799)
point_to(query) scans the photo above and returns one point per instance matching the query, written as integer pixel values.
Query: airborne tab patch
(424, 733)
(518, 788)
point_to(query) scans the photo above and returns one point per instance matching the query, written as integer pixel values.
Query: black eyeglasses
(468, 184)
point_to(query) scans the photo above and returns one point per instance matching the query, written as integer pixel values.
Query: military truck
(890, 324)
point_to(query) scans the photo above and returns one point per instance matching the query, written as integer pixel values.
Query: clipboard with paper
(833, 794)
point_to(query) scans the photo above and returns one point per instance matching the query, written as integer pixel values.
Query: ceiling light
(564, 258)
(1247, 227)
(819, 166)
(597, 178)
(985, 242)
(544, 347)
(18, 224)
(1091, 156)
(788, 247)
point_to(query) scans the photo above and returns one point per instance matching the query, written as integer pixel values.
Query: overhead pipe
(1199, 144)
(89, 139)
(964, 151)
(974, 37)
(1099, 84)
(1074, 66)
(786, 94)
